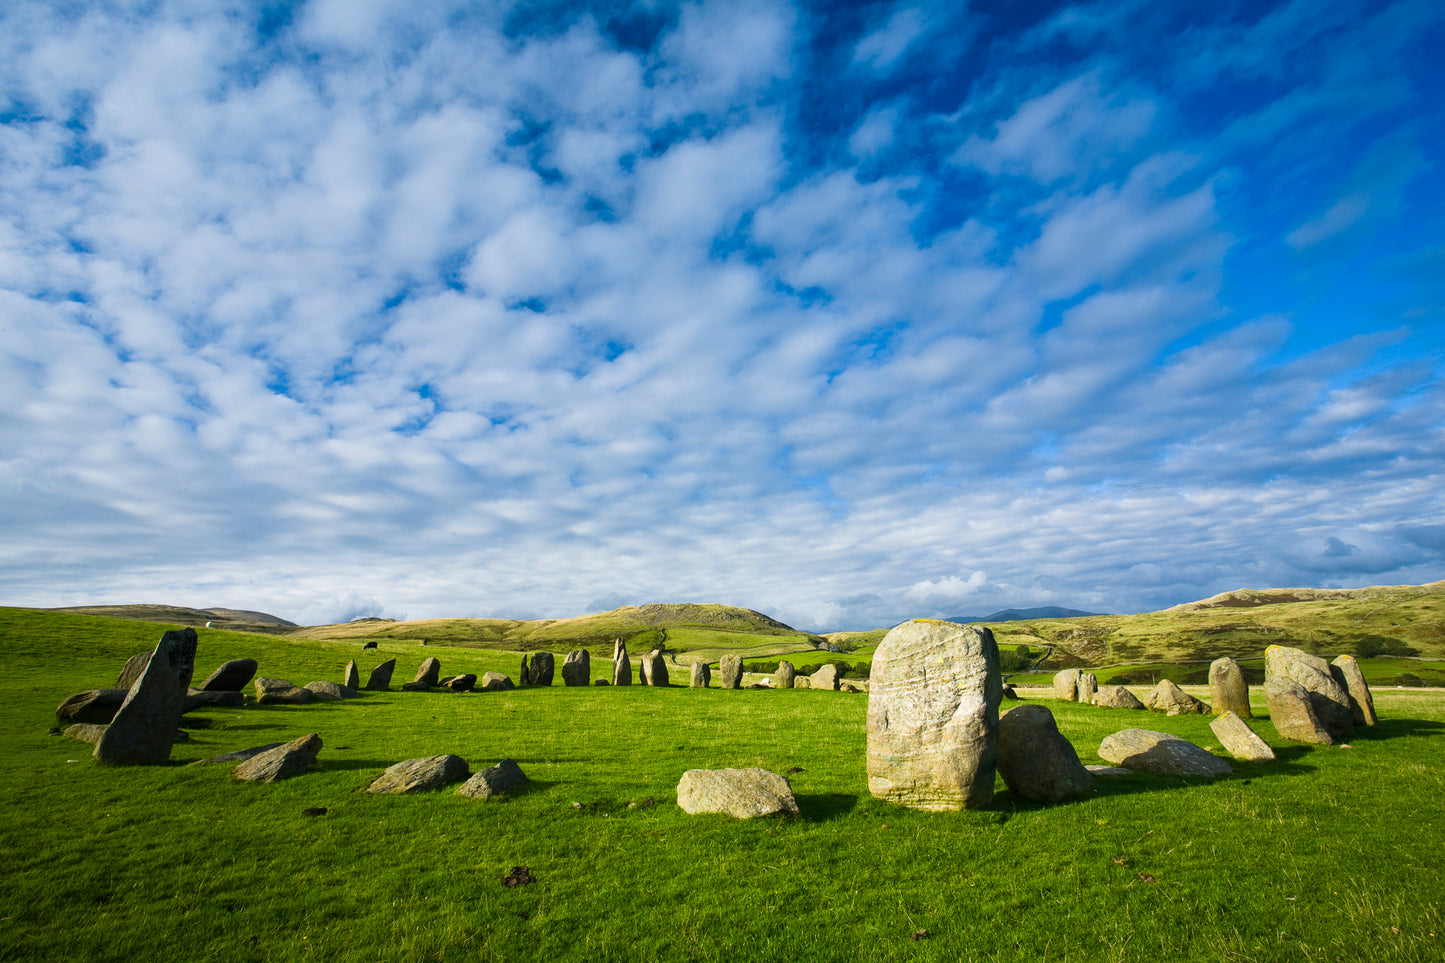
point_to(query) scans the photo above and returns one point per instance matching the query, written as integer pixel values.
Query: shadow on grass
(818, 807)
(1395, 728)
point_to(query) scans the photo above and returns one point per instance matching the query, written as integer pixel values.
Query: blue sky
(843, 312)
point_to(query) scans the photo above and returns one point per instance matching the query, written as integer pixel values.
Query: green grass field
(1328, 854)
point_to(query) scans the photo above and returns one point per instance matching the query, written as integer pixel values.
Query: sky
(848, 313)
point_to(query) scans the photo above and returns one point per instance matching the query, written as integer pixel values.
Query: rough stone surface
(1346, 672)
(351, 678)
(621, 664)
(232, 676)
(1239, 740)
(1292, 713)
(1035, 760)
(506, 776)
(824, 677)
(801, 682)
(1160, 753)
(196, 699)
(730, 671)
(700, 675)
(1228, 692)
(460, 683)
(85, 731)
(577, 668)
(285, 760)
(1168, 698)
(783, 678)
(933, 716)
(420, 775)
(544, 668)
(380, 678)
(132, 670)
(1066, 685)
(326, 691)
(743, 793)
(271, 691)
(1108, 771)
(1087, 687)
(496, 682)
(145, 725)
(1329, 699)
(1117, 697)
(94, 706)
(654, 668)
(429, 674)
(240, 755)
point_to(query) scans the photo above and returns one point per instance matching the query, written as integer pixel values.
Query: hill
(235, 620)
(1023, 615)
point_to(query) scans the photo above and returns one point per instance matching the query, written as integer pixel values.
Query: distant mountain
(1023, 615)
(237, 620)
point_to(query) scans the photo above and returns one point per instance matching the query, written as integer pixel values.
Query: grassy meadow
(1327, 854)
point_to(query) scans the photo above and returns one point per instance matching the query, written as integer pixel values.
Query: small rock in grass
(1066, 685)
(506, 776)
(1117, 697)
(824, 676)
(743, 793)
(497, 682)
(428, 674)
(420, 775)
(271, 691)
(700, 675)
(1171, 700)
(281, 762)
(1160, 753)
(519, 876)
(326, 691)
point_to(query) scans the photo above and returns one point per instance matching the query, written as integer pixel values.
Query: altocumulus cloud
(845, 314)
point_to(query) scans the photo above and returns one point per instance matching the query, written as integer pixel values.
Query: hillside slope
(235, 620)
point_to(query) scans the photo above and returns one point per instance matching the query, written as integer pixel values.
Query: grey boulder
(1160, 753)
(700, 675)
(1239, 740)
(380, 678)
(1328, 698)
(506, 776)
(730, 672)
(97, 706)
(232, 676)
(577, 668)
(1228, 692)
(420, 775)
(1117, 697)
(1035, 760)
(283, 761)
(1168, 698)
(742, 793)
(271, 691)
(1346, 671)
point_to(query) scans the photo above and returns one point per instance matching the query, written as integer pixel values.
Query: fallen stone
(1066, 685)
(429, 673)
(824, 677)
(1087, 687)
(1239, 740)
(496, 682)
(97, 706)
(1035, 760)
(1168, 698)
(240, 755)
(271, 691)
(283, 761)
(506, 776)
(1108, 772)
(1346, 671)
(232, 676)
(132, 670)
(1227, 689)
(85, 732)
(742, 793)
(730, 672)
(1292, 713)
(1160, 753)
(700, 675)
(1329, 699)
(621, 664)
(326, 691)
(932, 719)
(460, 683)
(380, 678)
(145, 726)
(351, 678)
(654, 668)
(577, 668)
(1117, 697)
(420, 775)
(221, 698)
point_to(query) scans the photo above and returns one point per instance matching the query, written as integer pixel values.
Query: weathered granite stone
(460, 683)
(1066, 685)
(1168, 698)
(743, 793)
(496, 682)
(1108, 771)
(285, 760)
(824, 677)
(1292, 713)
(1117, 697)
(577, 668)
(380, 678)
(730, 671)
(621, 664)
(351, 678)
(1160, 753)
(783, 678)
(506, 776)
(94, 706)
(1239, 740)
(85, 731)
(700, 675)
(933, 716)
(1088, 685)
(420, 775)
(232, 676)
(132, 670)
(1329, 699)
(654, 668)
(281, 692)
(240, 755)
(1227, 689)
(145, 725)
(326, 691)
(429, 674)
(1035, 760)
(801, 682)
(1346, 671)
(544, 667)
(223, 698)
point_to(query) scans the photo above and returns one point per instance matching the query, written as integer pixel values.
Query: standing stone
(145, 726)
(1292, 713)
(654, 668)
(783, 678)
(1168, 698)
(825, 676)
(351, 678)
(1160, 753)
(730, 671)
(380, 678)
(1227, 689)
(1066, 685)
(232, 676)
(543, 669)
(132, 670)
(621, 665)
(700, 676)
(933, 716)
(742, 793)
(577, 668)
(801, 682)
(420, 775)
(1239, 740)
(285, 760)
(1117, 697)
(429, 674)
(1346, 671)
(1035, 760)
(1087, 686)
(1330, 700)
(506, 776)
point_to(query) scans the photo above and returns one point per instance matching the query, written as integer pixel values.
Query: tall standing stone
(1088, 685)
(621, 665)
(730, 671)
(1292, 713)
(783, 678)
(1329, 699)
(700, 676)
(526, 672)
(577, 668)
(1228, 692)
(654, 668)
(351, 678)
(1035, 760)
(933, 716)
(1346, 671)
(1066, 685)
(380, 678)
(825, 676)
(145, 726)
(430, 673)
(543, 668)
